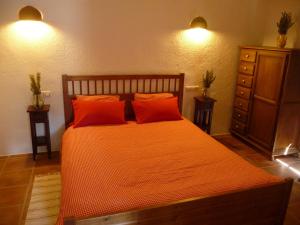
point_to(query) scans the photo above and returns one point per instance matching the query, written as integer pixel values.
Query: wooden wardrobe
(266, 110)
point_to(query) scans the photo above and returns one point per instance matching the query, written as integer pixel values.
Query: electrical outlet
(46, 94)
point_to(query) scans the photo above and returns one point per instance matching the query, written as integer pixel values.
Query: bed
(158, 173)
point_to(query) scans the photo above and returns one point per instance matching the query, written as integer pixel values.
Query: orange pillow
(156, 110)
(140, 96)
(98, 97)
(89, 113)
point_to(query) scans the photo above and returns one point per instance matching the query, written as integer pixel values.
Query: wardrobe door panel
(263, 121)
(265, 102)
(270, 68)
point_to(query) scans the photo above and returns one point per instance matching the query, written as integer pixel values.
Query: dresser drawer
(248, 55)
(39, 117)
(241, 104)
(246, 67)
(238, 127)
(240, 115)
(243, 92)
(245, 81)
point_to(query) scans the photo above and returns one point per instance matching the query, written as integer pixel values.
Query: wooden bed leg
(69, 221)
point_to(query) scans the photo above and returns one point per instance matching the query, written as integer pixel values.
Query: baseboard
(221, 134)
(26, 153)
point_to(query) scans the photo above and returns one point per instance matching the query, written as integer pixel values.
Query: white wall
(120, 37)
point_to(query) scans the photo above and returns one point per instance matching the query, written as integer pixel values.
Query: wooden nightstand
(39, 116)
(203, 112)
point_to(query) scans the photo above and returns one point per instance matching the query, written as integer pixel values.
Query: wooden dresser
(266, 110)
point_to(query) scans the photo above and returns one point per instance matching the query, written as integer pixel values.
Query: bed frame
(123, 85)
(264, 205)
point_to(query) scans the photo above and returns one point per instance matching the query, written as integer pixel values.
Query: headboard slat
(88, 87)
(80, 87)
(95, 87)
(73, 88)
(111, 84)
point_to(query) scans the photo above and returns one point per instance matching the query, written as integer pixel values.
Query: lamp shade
(30, 13)
(199, 22)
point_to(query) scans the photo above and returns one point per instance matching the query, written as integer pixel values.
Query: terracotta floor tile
(10, 215)
(244, 152)
(46, 169)
(27, 155)
(295, 196)
(1, 164)
(42, 159)
(294, 208)
(12, 195)
(290, 219)
(232, 144)
(290, 159)
(296, 166)
(18, 163)
(15, 178)
(236, 145)
(260, 160)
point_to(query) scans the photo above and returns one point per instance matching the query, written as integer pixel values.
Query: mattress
(111, 169)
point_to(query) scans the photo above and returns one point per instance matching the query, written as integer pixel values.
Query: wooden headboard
(123, 85)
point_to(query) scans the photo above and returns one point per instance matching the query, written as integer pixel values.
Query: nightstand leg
(196, 114)
(33, 139)
(34, 152)
(49, 151)
(47, 131)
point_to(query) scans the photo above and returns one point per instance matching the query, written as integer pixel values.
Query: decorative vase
(204, 91)
(38, 101)
(281, 40)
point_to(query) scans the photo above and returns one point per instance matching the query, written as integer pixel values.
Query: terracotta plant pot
(281, 40)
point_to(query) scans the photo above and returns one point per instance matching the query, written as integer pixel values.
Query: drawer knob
(237, 126)
(246, 56)
(243, 81)
(242, 93)
(239, 115)
(245, 68)
(240, 104)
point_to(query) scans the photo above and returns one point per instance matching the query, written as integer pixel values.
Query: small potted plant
(207, 80)
(284, 24)
(35, 87)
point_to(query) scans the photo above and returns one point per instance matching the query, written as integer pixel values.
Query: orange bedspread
(109, 169)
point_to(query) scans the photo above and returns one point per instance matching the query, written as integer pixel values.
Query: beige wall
(273, 13)
(120, 37)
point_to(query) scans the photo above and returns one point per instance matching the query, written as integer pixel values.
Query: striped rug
(45, 199)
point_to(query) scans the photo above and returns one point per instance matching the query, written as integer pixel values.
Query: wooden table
(39, 116)
(203, 112)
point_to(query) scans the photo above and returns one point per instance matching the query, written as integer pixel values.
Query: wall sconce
(30, 26)
(198, 32)
(199, 22)
(30, 13)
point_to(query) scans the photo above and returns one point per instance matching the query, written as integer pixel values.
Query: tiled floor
(17, 172)
(16, 177)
